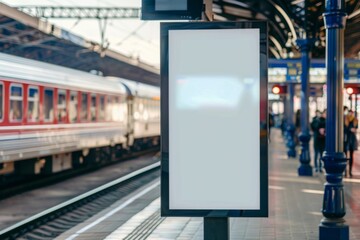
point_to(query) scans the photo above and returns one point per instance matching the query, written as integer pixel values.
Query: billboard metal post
(216, 228)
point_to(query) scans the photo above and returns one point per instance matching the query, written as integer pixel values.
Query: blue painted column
(290, 122)
(305, 169)
(332, 226)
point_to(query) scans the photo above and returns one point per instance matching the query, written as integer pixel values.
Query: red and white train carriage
(54, 118)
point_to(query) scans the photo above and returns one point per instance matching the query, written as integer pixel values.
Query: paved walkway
(294, 209)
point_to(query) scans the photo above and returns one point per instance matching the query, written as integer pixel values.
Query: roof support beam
(81, 12)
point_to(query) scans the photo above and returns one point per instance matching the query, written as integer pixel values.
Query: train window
(84, 106)
(73, 108)
(146, 109)
(141, 109)
(154, 109)
(116, 109)
(62, 116)
(109, 107)
(151, 109)
(48, 105)
(16, 103)
(136, 108)
(157, 109)
(102, 108)
(1, 102)
(123, 109)
(141, 105)
(93, 107)
(33, 104)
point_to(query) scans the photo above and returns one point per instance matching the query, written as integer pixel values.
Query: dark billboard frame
(263, 107)
(193, 11)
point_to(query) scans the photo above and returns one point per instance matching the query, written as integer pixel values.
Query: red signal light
(349, 90)
(279, 89)
(276, 90)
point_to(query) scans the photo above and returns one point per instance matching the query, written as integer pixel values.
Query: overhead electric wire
(131, 33)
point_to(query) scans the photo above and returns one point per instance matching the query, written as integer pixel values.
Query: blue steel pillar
(333, 225)
(305, 169)
(290, 122)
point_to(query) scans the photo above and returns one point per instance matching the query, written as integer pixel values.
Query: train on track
(54, 118)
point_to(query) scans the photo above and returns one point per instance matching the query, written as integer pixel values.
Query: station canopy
(289, 20)
(293, 19)
(30, 37)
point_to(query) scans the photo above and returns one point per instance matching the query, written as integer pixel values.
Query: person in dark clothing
(351, 125)
(346, 111)
(297, 119)
(297, 125)
(320, 138)
(283, 125)
(271, 122)
(315, 128)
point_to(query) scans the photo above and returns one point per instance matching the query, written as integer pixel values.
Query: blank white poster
(214, 126)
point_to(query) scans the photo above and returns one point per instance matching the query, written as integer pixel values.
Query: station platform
(294, 209)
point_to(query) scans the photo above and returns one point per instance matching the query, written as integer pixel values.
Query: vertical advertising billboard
(214, 119)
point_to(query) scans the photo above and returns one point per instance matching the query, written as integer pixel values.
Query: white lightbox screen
(214, 119)
(170, 5)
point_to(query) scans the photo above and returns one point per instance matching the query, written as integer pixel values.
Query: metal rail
(50, 214)
(11, 188)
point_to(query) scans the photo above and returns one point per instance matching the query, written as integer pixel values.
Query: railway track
(13, 188)
(52, 222)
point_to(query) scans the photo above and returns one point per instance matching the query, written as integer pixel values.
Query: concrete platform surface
(294, 209)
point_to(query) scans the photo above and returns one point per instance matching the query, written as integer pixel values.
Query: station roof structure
(30, 37)
(291, 19)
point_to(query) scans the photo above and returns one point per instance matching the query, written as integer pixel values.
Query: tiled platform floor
(294, 210)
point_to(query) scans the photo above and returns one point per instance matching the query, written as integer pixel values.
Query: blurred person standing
(351, 125)
(321, 136)
(271, 122)
(283, 124)
(315, 128)
(346, 111)
(297, 126)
